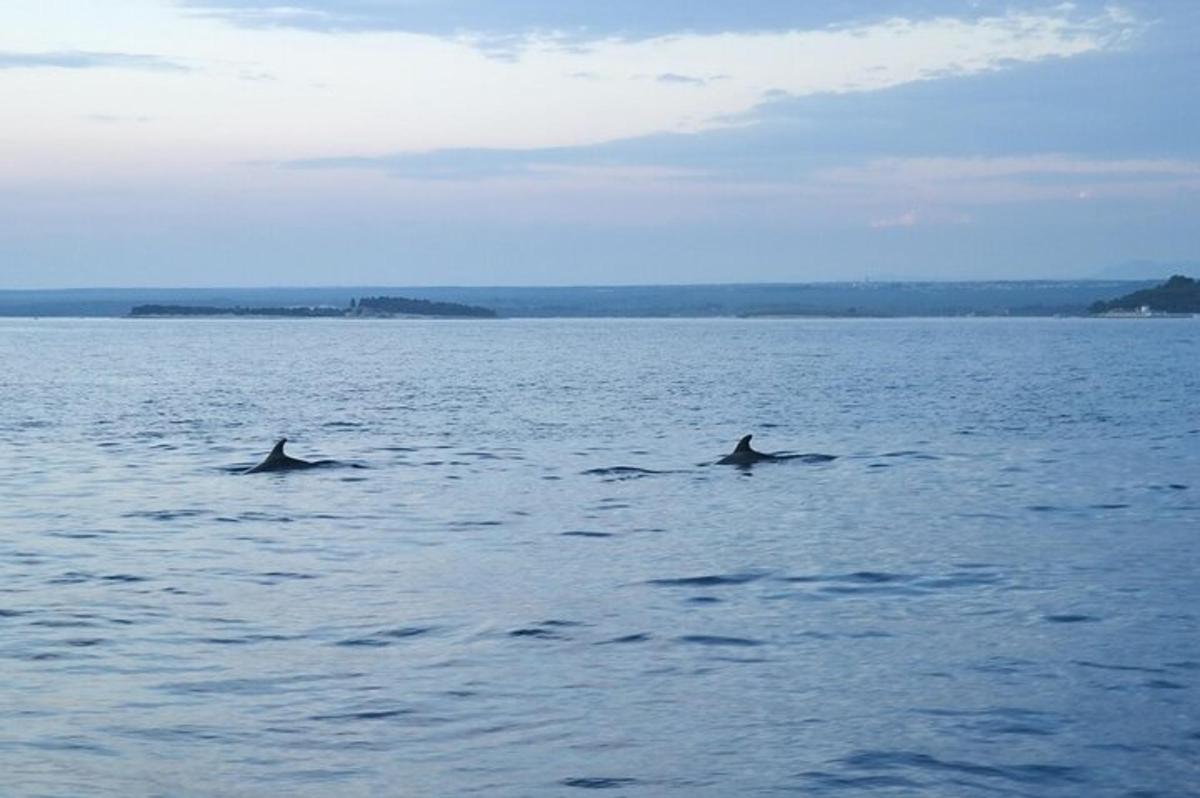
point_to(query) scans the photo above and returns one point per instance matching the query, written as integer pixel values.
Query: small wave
(599, 783)
(536, 632)
(82, 535)
(165, 515)
(261, 517)
(127, 578)
(712, 580)
(369, 714)
(579, 533)
(484, 456)
(546, 630)
(276, 575)
(855, 784)
(911, 454)
(84, 642)
(476, 524)
(1070, 618)
(718, 640)
(640, 637)
(64, 623)
(1001, 720)
(1131, 668)
(246, 640)
(251, 686)
(857, 577)
(387, 637)
(899, 584)
(70, 578)
(806, 457)
(1040, 774)
(619, 473)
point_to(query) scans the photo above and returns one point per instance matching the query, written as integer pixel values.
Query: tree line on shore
(375, 306)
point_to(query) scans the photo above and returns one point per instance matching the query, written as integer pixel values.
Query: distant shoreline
(366, 307)
(1033, 298)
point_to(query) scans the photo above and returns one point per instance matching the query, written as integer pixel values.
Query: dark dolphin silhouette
(743, 455)
(278, 461)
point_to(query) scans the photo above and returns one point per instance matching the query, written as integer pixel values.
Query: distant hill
(1177, 295)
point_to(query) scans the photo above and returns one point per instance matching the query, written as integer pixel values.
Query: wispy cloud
(117, 119)
(626, 19)
(672, 77)
(573, 21)
(906, 219)
(955, 183)
(949, 169)
(942, 188)
(936, 216)
(804, 101)
(74, 59)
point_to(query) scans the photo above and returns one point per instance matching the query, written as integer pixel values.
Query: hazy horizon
(245, 143)
(883, 279)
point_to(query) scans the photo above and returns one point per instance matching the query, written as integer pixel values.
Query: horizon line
(583, 286)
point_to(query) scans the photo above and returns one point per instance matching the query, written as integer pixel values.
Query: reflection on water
(531, 580)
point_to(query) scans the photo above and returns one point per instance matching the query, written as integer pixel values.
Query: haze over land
(463, 142)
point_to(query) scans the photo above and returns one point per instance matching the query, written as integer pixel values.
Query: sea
(524, 574)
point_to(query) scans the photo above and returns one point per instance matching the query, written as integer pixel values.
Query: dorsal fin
(744, 444)
(278, 450)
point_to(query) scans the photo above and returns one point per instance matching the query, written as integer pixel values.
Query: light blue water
(535, 586)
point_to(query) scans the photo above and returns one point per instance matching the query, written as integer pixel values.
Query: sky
(572, 142)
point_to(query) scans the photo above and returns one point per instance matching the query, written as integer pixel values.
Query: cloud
(909, 89)
(939, 216)
(906, 219)
(957, 182)
(671, 77)
(582, 19)
(720, 163)
(73, 59)
(712, 156)
(112, 119)
(610, 19)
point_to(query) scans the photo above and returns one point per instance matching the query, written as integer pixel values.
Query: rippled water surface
(526, 577)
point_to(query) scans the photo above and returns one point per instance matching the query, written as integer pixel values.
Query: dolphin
(278, 461)
(743, 455)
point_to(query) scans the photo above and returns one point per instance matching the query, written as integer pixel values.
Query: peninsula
(1177, 295)
(368, 307)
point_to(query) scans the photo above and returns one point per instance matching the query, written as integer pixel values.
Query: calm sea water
(526, 579)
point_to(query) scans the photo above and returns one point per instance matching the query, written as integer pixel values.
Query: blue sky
(432, 142)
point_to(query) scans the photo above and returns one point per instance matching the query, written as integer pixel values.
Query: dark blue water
(527, 578)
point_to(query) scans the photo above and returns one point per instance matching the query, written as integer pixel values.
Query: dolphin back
(742, 454)
(277, 460)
